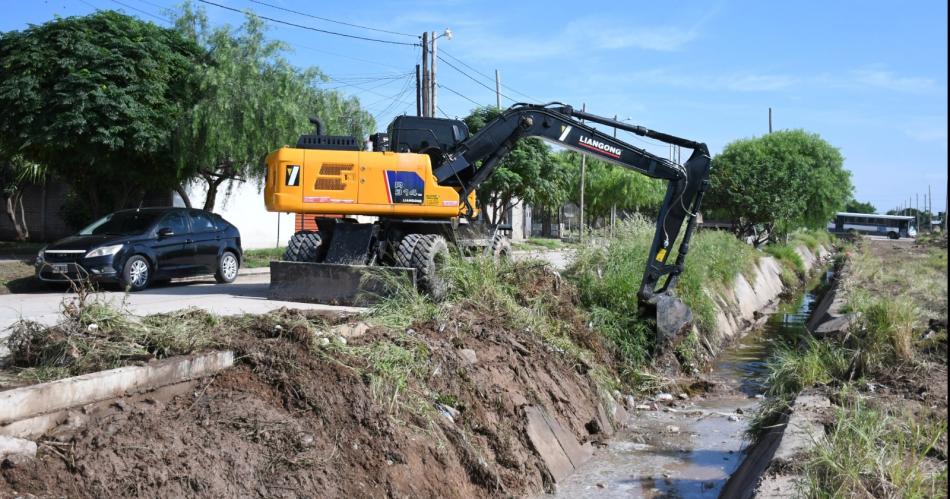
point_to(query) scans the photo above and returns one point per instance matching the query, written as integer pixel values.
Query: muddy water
(690, 447)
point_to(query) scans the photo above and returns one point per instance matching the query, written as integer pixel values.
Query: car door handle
(189, 241)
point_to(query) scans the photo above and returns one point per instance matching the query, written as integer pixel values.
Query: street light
(434, 87)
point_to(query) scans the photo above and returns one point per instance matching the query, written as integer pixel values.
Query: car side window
(202, 222)
(175, 221)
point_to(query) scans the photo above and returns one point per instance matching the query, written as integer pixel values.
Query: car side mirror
(165, 232)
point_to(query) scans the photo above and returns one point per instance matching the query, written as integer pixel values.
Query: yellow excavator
(419, 183)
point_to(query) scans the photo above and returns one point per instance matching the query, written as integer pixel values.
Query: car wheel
(228, 266)
(892, 235)
(136, 274)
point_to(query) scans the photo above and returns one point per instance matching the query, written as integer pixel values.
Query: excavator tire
(500, 248)
(303, 247)
(425, 253)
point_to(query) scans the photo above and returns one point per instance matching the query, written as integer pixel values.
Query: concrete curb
(44, 398)
(254, 271)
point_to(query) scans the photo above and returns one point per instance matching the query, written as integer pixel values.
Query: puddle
(689, 449)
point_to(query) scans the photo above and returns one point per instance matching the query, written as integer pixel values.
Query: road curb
(21, 408)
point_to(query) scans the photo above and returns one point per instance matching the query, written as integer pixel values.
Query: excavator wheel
(426, 253)
(303, 247)
(500, 248)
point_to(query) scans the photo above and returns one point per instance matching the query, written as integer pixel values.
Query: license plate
(59, 268)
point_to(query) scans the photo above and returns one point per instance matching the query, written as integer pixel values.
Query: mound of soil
(292, 420)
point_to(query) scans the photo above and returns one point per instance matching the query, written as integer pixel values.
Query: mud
(292, 420)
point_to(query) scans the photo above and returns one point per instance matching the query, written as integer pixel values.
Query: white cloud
(889, 81)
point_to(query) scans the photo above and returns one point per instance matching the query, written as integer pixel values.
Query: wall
(745, 305)
(242, 204)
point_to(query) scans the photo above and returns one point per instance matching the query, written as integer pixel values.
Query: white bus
(892, 226)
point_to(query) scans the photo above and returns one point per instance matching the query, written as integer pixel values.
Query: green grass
(813, 362)
(536, 243)
(793, 268)
(262, 257)
(873, 453)
(608, 279)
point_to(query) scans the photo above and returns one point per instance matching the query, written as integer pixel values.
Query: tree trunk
(184, 196)
(12, 202)
(214, 182)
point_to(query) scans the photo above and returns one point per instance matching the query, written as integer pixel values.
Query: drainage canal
(690, 448)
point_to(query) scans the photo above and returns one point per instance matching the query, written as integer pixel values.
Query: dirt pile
(437, 410)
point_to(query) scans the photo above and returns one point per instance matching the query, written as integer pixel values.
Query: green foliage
(780, 182)
(608, 185)
(530, 173)
(855, 206)
(252, 102)
(97, 97)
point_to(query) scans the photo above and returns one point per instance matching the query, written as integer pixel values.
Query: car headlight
(104, 251)
(39, 256)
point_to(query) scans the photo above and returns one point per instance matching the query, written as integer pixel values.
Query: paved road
(246, 295)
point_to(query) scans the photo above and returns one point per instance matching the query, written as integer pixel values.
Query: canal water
(689, 449)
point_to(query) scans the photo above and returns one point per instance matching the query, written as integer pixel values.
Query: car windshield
(122, 223)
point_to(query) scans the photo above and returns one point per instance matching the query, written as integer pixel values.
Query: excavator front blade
(335, 284)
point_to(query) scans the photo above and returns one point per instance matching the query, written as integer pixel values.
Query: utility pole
(432, 70)
(930, 209)
(425, 74)
(917, 215)
(418, 93)
(613, 208)
(497, 89)
(770, 120)
(583, 175)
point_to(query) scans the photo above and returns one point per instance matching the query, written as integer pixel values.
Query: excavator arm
(475, 159)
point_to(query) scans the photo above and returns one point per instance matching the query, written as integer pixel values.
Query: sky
(869, 77)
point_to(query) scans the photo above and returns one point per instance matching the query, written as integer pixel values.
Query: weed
(789, 258)
(872, 453)
(813, 362)
(608, 279)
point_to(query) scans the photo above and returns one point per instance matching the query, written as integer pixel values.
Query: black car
(137, 247)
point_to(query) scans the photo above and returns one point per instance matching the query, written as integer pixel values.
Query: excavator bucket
(335, 284)
(672, 316)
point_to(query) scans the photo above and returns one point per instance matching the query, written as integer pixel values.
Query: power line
(160, 18)
(490, 78)
(318, 30)
(460, 95)
(331, 20)
(473, 78)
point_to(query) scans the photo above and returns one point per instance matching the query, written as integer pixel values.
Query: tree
(855, 206)
(529, 173)
(253, 101)
(608, 186)
(95, 99)
(779, 182)
(15, 174)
